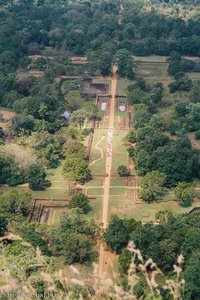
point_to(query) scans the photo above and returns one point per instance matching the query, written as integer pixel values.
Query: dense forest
(46, 93)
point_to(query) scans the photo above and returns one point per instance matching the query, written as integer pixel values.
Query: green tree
(194, 94)
(2, 133)
(74, 100)
(125, 63)
(80, 201)
(36, 176)
(152, 185)
(131, 137)
(76, 169)
(14, 204)
(29, 233)
(184, 193)
(105, 61)
(123, 171)
(74, 237)
(3, 224)
(78, 117)
(116, 236)
(124, 261)
(192, 277)
(74, 148)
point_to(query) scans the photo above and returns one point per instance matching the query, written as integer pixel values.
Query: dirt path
(100, 150)
(104, 219)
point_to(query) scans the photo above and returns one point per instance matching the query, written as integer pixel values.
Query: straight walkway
(106, 194)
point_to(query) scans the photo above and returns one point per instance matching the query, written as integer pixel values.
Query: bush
(123, 171)
(132, 136)
(36, 176)
(184, 193)
(77, 169)
(80, 201)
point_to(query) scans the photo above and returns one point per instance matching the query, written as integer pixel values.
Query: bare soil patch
(7, 115)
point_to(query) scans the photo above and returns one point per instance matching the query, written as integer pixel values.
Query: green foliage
(191, 275)
(124, 261)
(74, 237)
(80, 201)
(78, 117)
(184, 193)
(131, 137)
(105, 61)
(48, 147)
(36, 176)
(76, 168)
(182, 83)
(29, 233)
(124, 62)
(194, 94)
(3, 224)
(154, 151)
(123, 171)
(152, 185)
(116, 235)
(10, 173)
(177, 65)
(25, 262)
(142, 115)
(74, 100)
(2, 133)
(135, 94)
(74, 148)
(14, 204)
(79, 292)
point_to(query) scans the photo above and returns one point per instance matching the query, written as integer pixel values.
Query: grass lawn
(98, 167)
(48, 193)
(122, 85)
(102, 81)
(59, 186)
(95, 182)
(151, 58)
(119, 191)
(120, 154)
(120, 206)
(114, 182)
(54, 215)
(147, 212)
(121, 120)
(194, 75)
(95, 192)
(154, 72)
(96, 207)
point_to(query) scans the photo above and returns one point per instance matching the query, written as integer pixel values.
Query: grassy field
(120, 154)
(122, 85)
(95, 192)
(96, 207)
(94, 182)
(151, 58)
(102, 81)
(121, 120)
(98, 167)
(194, 75)
(153, 71)
(115, 182)
(145, 212)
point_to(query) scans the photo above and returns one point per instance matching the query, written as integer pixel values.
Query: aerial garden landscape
(100, 149)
